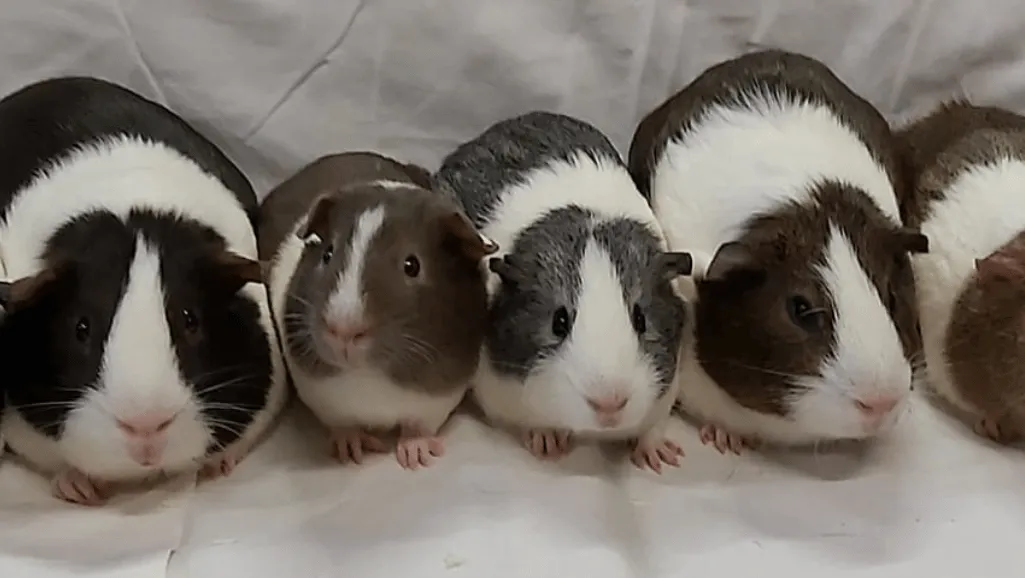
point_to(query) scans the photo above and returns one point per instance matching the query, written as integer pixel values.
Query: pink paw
(417, 451)
(723, 440)
(654, 454)
(548, 443)
(352, 444)
(73, 486)
(220, 466)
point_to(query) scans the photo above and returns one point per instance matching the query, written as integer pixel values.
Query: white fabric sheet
(278, 83)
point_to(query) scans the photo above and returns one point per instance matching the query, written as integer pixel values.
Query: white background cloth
(279, 83)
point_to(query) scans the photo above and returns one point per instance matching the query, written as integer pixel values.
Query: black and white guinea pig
(805, 326)
(138, 341)
(585, 327)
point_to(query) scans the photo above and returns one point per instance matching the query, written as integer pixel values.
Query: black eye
(560, 323)
(638, 320)
(804, 315)
(411, 266)
(190, 320)
(82, 329)
(329, 251)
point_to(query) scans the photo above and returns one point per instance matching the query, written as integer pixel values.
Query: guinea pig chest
(804, 326)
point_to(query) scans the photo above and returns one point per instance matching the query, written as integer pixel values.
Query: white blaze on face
(139, 372)
(346, 301)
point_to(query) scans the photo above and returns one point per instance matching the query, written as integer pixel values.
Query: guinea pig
(585, 328)
(138, 341)
(804, 313)
(376, 286)
(967, 164)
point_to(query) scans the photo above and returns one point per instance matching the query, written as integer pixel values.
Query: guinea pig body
(968, 164)
(805, 325)
(585, 327)
(138, 340)
(375, 284)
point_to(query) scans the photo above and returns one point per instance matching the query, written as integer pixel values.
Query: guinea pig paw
(352, 444)
(72, 485)
(220, 466)
(413, 452)
(723, 440)
(653, 453)
(548, 443)
(993, 430)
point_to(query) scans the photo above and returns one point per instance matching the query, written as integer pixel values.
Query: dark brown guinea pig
(376, 286)
(968, 164)
(785, 179)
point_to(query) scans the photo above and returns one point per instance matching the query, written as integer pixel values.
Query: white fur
(139, 370)
(358, 396)
(602, 351)
(984, 208)
(346, 301)
(736, 162)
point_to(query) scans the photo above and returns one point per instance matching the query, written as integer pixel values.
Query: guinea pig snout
(608, 408)
(146, 435)
(875, 408)
(347, 336)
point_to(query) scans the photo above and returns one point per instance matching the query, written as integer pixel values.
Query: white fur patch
(734, 163)
(346, 301)
(601, 356)
(984, 208)
(395, 185)
(120, 174)
(603, 187)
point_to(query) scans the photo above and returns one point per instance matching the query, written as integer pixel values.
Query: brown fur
(985, 341)
(428, 329)
(746, 340)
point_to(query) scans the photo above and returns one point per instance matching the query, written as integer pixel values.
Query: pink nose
(146, 424)
(347, 332)
(607, 404)
(876, 406)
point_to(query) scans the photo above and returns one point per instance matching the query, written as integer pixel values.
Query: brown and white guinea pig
(138, 340)
(585, 326)
(968, 166)
(376, 287)
(805, 326)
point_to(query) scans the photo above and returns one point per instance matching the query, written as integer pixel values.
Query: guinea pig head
(390, 278)
(985, 341)
(133, 346)
(586, 318)
(805, 316)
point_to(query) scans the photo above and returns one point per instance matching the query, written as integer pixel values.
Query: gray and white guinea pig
(585, 327)
(967, 165)
(805, 324)
(376, 285)
(138, 340)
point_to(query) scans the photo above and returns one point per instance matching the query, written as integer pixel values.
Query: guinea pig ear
(909, 240)
(470, 241)
(24, 291)
(506, 270)
(234, 271)
(318, 225)
(672, 265)
(420, 176)
(1003, 264)
(734, 261)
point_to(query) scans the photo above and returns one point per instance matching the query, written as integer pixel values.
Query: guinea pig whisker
(767, 371)
(230, 427)
(232, 369)
(45, 404)
(237, 381)
(298, 299)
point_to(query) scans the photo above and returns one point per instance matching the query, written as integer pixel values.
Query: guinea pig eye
(329, 251)
(638, 320)
(804, 314)
(190, 320)
(560, 323)
(411, 266)
(82, 329)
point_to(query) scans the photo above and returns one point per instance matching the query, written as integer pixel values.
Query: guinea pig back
(138, 337)
(967, 165)
(805, 324)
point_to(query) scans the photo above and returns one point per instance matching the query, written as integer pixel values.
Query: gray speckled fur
(548, 252)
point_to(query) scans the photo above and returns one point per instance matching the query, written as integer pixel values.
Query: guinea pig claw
(73, 486)
(352, 444)
(723, 440)
(653, 454)
(217, 467)
(991, 428)
(414, 452)
(548, 443)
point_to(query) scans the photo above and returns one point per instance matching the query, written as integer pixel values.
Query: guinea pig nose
(146, 424)
(347, 331)
(877, 405)
(607, 403)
